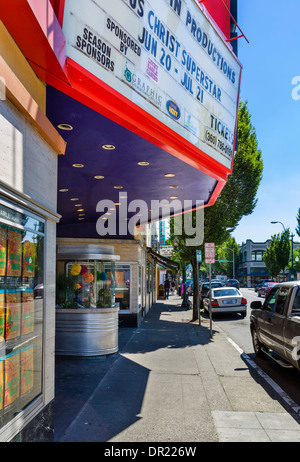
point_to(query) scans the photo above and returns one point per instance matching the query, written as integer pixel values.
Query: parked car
(204, 289)
(39, 291)
(233, 283)
(189, 286)
(275, 324)
(218, 280)
(226, 300)
(260, 283)
(265, 288)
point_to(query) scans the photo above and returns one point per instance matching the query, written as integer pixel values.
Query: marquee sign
(167, 58)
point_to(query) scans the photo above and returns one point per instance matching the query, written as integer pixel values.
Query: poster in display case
(13, 314)
(2, 317)
(27, 311)
(26, 369)
(21, 336)
(1, 382)
(2, 251)
(28, 259)
(12, 378)
(14, 253)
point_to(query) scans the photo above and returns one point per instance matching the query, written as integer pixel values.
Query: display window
(86, 284)
(123, 279)
(21, 310)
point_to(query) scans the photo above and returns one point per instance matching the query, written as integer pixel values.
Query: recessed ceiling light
(118, 187)
(78, 165)
(108, 147)
(80, 218)
(80, 210)
(63, 190)
(173, 197)
(65, 126)
(143, 163)
(117, 203)
(169, 175)
(78, 205)
(173, 186)
(111, 208)
(81, 214)
(99, 177)
(74, 199)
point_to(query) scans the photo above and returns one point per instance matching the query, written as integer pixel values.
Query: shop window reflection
(122, 286)
(21, 313)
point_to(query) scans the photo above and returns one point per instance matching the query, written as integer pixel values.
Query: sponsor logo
(173, 110)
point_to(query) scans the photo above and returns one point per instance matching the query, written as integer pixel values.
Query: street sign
(209, 248)
(199, 256)
(223, 261)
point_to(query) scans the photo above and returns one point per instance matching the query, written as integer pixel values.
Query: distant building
(251, 266)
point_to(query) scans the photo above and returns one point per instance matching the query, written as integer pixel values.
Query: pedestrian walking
(167, 288)
(173, 286)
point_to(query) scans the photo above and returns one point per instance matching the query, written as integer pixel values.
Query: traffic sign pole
(210, 258)
(210, 307)
(198, 260)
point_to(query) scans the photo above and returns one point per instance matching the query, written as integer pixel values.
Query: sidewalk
(169, 382)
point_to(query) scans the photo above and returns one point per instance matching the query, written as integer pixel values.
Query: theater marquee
(167, 58)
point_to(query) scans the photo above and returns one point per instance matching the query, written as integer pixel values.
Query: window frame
(36, 405)
(121, 263)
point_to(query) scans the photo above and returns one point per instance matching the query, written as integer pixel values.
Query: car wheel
(243, 314)
(257, 345)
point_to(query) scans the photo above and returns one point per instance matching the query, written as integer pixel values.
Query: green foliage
(238, 197)
(276, 257)
(296, 264)
(224, 252)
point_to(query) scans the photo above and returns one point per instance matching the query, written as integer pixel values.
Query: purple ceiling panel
(119, 167)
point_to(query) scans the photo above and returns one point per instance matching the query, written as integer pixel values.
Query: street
(238, 330)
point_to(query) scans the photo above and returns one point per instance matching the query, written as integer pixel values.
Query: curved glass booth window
(86, 284)
(87, 311)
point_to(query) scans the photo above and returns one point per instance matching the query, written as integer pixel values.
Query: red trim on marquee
(219, 14)
(36, 30)
(59, 8)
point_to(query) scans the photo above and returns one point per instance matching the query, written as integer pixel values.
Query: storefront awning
(163, 261)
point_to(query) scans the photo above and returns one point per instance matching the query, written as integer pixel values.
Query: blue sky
(270, 61)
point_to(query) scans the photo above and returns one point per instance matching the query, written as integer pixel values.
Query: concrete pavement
(169, 382)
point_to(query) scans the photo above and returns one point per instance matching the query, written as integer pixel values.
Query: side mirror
(257, 305)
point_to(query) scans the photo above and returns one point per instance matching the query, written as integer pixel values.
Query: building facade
(251, 266)
(101, 104)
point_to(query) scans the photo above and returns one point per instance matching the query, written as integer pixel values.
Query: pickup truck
(275, 324)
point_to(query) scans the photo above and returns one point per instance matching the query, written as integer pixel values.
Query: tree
(296, 263)
(276, 257)
(224, 252)
(237, 199)
(270, 259)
